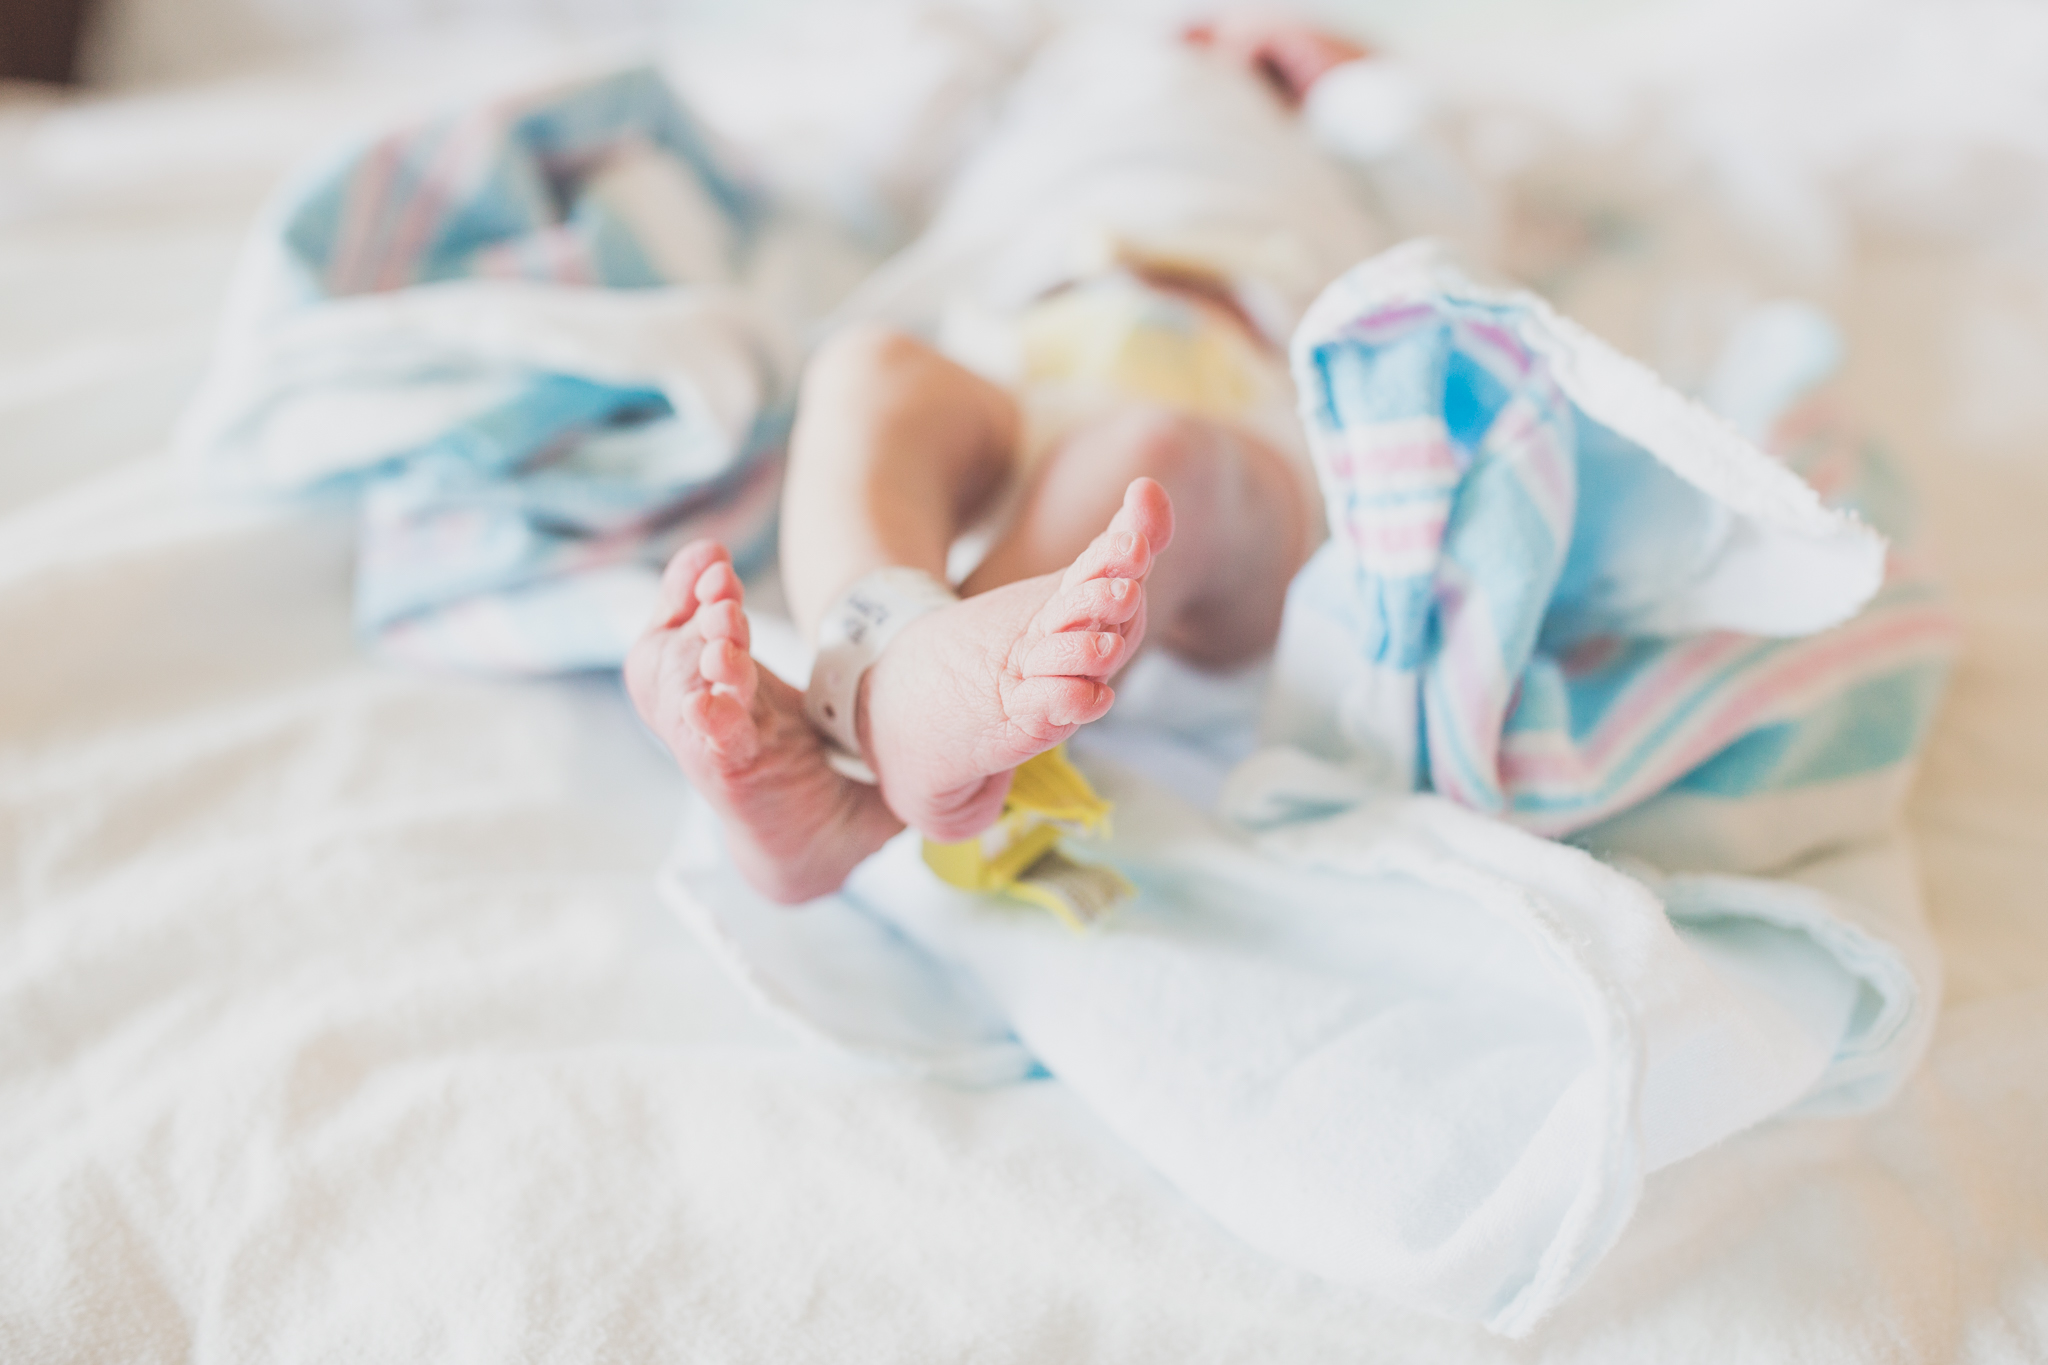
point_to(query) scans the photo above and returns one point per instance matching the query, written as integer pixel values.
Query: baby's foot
(793, 825)
(965, 694)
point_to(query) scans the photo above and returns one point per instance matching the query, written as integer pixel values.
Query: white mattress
(339, 1020)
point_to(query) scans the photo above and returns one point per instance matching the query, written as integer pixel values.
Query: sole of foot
(965, 694)
(795, 827)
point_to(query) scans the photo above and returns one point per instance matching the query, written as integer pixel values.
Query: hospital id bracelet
(850, 639)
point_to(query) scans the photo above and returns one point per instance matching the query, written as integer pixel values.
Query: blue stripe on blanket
(446, 200)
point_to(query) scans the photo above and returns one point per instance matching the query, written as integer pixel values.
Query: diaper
(1113, 340)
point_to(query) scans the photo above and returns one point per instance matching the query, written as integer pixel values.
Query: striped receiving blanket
(527, 334)
(1558, 593)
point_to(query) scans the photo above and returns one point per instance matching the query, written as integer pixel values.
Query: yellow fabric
(1144, 342)
(1020, 854)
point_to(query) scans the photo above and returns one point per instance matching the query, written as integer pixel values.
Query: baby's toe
(727, 666)
(1050, 708)
(720, 583)
(1148, 511)
(725, 619)
(1096, 602)
(676, 602)
(1113, 554)
(1075, 654)
(724, 725)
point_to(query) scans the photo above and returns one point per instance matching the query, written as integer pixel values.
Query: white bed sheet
(338, 1018)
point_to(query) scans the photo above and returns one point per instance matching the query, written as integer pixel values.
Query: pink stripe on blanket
(1496, 348)
(1774, 692)
(1398, 547)
(363, 204)
(1547, 471)
(1364, 458)
(1475, 688)
(453, 174)
(1380, 327)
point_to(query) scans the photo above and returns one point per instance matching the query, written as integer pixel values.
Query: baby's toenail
(1104, 643)
(1127, 543)
(1119, 588)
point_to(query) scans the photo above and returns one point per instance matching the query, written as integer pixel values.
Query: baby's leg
(1241, 528)
(895, 450)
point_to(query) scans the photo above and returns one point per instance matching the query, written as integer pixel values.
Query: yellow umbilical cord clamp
(1020, 854)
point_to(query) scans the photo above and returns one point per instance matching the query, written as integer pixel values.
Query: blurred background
(1865, 154)
(126, 41)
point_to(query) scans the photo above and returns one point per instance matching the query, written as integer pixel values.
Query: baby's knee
(866, 357)
(1149, 442)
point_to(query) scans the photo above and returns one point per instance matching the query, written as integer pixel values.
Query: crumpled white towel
(1402, 1046)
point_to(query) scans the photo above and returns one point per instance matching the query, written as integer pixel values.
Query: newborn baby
(976, 528)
